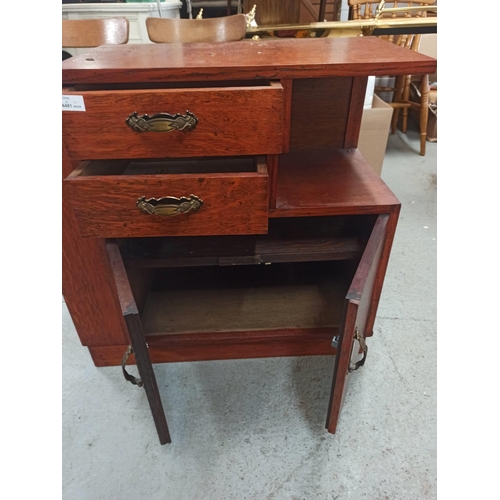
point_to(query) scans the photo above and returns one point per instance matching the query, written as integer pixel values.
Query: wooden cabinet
(258, 231)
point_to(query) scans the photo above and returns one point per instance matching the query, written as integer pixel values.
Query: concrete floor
(254, 429)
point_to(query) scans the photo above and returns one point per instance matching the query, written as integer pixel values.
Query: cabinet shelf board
(330, 182)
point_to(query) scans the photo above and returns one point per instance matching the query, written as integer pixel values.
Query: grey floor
(254, 429)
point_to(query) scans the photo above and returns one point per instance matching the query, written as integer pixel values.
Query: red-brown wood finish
(299, 103)
(276, 59)
(287, 85)
(319, 112)
(358, 301)
(88, 284)
(381, 270)
(273, 166)
(355, 112)
(330, 182)
(223, 113)
(105, 206)
(227, 345)
(138, 340)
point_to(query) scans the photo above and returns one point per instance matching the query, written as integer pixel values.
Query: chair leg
(424, 112)
(396, 97)
(405, 98)
(394, 121)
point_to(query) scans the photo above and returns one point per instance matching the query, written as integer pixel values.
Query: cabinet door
(137, 341)
(350, 344)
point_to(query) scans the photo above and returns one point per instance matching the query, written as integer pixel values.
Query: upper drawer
(180, 122)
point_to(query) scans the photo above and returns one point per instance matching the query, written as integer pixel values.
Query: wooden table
(216, 206)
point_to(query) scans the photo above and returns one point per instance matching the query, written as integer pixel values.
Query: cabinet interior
(294, 277)
(230, 164)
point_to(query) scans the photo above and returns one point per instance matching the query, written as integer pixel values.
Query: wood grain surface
(320, 109)
(330, 182)
(230, 345)
(231, 121)
(357, 305)
(87, 282)
(356, 102)
(271, 58)
(105, 206)
(138, 340)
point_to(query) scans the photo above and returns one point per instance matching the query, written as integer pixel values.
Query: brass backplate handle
(162, 122)
(169, 206)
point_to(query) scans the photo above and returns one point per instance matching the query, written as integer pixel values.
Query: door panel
(356, 308)
(137, 341)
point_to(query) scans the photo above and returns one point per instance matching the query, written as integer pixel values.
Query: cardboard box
(432, 134)
(374, 133)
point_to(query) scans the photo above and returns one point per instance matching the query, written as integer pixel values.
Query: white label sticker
(73, 103)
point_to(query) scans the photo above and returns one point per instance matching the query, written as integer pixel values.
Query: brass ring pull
(169, 206)
(162, 122)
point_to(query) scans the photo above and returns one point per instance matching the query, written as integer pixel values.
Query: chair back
(94, 32)
(210, 30)
(366, 9)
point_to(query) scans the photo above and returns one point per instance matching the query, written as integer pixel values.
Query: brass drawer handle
(161, 122)
(169, 206)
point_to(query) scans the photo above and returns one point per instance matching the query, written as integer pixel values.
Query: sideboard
(215, 204)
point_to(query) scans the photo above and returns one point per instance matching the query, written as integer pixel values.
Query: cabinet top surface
(248, 59)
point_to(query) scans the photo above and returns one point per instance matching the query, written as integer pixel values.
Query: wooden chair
(211, 30)
(366, 9)
(94, 32)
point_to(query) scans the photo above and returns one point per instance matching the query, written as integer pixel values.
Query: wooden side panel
(381, 270)
(273, 165)
(231, 121)
(357, 307)
(355, 112)
(88, 285)
(287, 85)
(105, 206)
(319, 114)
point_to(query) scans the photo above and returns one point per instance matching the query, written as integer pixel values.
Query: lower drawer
(118, 199)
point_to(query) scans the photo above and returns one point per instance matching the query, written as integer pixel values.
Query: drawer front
(107, 206)
(178, 123)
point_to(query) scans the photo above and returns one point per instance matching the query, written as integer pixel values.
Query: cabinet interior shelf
(288, 240)
(213, 300)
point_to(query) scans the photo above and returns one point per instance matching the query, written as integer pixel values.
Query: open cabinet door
(350, 343)
(138, 342)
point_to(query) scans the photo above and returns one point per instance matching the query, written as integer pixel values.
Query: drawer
(191, 197)
(176, 122)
